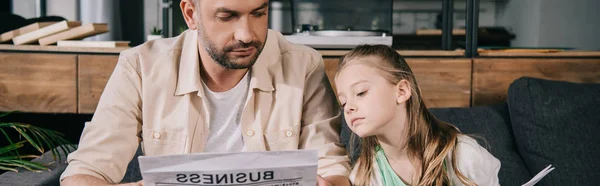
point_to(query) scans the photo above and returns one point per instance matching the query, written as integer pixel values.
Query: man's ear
(403, 91)
(188, 9)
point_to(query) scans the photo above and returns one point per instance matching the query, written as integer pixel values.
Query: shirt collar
(189, 80)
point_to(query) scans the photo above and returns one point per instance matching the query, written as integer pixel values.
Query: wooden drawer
(32, 82)
(443, 82)
(93, 74)
(492, 77)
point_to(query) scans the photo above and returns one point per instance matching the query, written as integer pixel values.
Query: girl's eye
(361, 94)
(343, 104)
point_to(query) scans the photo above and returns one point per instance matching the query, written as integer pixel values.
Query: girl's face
(370, 102)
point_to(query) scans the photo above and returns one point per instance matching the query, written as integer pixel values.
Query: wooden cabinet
(93, 73)
(35, 82)
(493, 76)
(444, 82)
(56, 81)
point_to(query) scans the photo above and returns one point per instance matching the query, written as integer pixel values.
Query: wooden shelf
(427, 53)
(37, 48)
(542, 54)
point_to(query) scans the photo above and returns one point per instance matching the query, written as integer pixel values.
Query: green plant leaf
(6, 158)
(39, 138)
(30, 165)
(55, 141)
(156, 31)
(15, 153)
(7, 168)
(47, 139)
(7, 113)
(34, 168)
(12, 147)
(23, 132)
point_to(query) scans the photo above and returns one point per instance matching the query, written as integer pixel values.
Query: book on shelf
(33, 36)
(97, 44)
(8, 36)
(79, 32)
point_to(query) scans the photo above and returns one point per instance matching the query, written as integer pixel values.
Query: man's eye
(224, 18)
(258, 14)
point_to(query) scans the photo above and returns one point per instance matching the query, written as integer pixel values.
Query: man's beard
(221, 57)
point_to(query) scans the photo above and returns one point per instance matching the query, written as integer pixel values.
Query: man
(228, 84)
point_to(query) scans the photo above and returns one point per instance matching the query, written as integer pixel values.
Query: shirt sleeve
(321, 122)
(109, 141)
(476, 163)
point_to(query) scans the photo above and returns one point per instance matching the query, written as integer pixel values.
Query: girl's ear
(403, 91)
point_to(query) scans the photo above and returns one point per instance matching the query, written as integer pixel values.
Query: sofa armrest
(48, 177)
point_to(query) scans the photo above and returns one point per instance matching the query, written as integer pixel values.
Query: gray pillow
(490, 126)
(557, 123)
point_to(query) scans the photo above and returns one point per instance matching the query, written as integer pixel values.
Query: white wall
(24, 8)
(152, 15)
(573, 23)
(105, 11)
(62, 8)
(522, 18)
(552, 23)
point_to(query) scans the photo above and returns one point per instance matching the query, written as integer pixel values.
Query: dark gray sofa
(543, 122)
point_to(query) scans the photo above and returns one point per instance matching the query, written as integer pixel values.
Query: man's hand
(139, 183)
(332, 181)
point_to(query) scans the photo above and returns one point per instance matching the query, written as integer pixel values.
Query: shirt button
(156, 135)
(289, 133)
(250, 133)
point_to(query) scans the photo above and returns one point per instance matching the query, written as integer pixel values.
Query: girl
(402, 142)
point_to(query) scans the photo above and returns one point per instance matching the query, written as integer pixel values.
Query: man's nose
(243, 32)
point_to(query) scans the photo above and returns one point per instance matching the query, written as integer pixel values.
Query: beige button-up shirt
(155, 97)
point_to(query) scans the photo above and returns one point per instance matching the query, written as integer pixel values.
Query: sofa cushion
(490, 126)
(557, 123)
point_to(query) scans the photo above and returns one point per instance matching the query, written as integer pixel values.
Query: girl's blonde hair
(429, 140)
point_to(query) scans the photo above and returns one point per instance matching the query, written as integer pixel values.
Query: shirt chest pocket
(163, 142)
(284, 139)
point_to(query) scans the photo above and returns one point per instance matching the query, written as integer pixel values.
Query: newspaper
(279, 168)
(539, 176)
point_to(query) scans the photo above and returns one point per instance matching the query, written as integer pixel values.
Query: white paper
(539, 176)
(280, 168)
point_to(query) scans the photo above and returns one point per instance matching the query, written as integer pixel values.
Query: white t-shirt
(225, 110)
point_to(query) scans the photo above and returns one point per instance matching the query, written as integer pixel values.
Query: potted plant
(39, 138)
(182, 29)
(155, 33)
